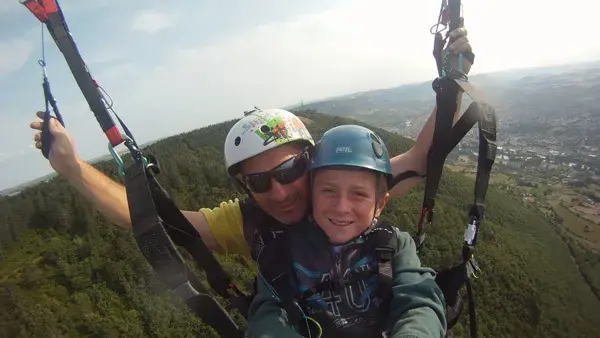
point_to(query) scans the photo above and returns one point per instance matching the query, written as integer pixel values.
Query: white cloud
(357, 46)
(152, 21)
(14, 53)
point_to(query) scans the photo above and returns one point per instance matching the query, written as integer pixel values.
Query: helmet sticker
(300, 128)
(253, 123)
(273, 131)
(282, 129)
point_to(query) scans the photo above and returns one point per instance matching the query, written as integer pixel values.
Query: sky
(175, 66)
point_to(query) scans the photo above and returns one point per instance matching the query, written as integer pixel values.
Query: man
(241, 227)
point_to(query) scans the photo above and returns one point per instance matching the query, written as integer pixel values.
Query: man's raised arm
(415, 159)
(106, 195)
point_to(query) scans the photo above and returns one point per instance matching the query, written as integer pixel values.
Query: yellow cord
(318, 326)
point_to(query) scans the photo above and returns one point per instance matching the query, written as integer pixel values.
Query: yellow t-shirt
(226, 225)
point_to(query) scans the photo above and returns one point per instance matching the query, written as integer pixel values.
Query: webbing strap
(445, 138)
(404, 176)
(447, 87)
(485, 161)
(182, 233)
(150, 232)
(49, 12)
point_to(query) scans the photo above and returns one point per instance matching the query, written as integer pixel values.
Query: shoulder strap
(385, 241)
(252, 218)
(258, 226)
(275, 268)
(385, 244)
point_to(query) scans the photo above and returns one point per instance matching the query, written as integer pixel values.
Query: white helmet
(261, 130)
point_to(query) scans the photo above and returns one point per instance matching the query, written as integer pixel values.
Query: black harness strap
(445, 139)
(446, 136)
(451, 280)
(148, 204)
(182, 232)
(404, 176)
(487, 155)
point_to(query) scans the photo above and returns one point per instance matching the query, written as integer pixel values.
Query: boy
(331, 276)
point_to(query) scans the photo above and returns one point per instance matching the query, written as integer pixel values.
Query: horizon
(101, 157)
(242, 55)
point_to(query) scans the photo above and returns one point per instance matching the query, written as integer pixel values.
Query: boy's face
(344, 202)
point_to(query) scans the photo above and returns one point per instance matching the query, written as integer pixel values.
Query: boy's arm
(266, 317)
(417, 308)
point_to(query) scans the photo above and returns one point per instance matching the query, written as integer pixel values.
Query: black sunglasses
(285, 173)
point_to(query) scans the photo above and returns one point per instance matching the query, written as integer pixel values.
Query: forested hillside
(66, 271)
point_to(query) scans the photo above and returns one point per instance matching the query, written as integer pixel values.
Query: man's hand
(459, 43)
(63, 157)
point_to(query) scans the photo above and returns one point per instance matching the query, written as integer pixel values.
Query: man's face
(287, 202)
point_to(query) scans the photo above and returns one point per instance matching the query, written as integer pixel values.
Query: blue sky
(179, 65)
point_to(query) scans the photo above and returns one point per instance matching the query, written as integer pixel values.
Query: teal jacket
(417, 306)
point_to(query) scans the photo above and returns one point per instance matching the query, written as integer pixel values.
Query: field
(580, 220)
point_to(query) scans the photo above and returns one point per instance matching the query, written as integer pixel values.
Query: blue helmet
(352, 146)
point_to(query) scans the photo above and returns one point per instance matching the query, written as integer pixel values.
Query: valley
(548, 135)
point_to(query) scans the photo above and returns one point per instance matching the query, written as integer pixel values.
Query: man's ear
(381, 203)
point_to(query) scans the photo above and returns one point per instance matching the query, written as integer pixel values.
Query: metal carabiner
(132, 149)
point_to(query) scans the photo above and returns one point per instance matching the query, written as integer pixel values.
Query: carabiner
(119, 160)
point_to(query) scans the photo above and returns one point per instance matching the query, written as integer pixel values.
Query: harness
(158, 225)
(258, 226)
(446, 136)
(276, 268)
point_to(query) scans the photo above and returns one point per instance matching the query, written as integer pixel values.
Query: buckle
(471, 232)
(472, 267)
